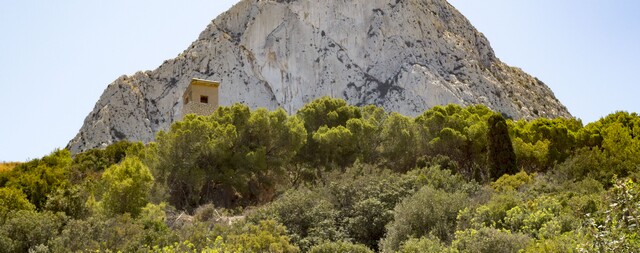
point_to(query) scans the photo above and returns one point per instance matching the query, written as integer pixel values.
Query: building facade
(200, 98)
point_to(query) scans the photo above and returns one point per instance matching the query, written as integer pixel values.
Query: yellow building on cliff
(200, 98)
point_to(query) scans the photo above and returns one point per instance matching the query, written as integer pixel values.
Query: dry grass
(6, 166)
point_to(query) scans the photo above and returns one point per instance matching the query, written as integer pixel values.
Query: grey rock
(403, 55)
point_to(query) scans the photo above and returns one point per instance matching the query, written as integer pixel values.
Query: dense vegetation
(337, 178)
(4, 166)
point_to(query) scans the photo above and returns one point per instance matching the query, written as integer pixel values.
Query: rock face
(403, 55)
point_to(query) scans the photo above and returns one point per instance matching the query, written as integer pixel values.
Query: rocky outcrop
(403, 55)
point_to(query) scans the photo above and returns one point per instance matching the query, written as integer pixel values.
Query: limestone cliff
(403, 55)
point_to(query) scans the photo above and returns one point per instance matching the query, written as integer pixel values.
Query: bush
(426, 244)
(340, 247)
(543, 217)
(442, 179)
(266, 236)
(12, 199)
(71, 200)
(366, 221)
(206, 213)
(258, 236)
(154, 220)
(91, 163)
(40, 177)
(364, 198)
(127, 187)
(508, 182)
(489, 240)
(616, 229)
(309, 218)
(428, 211)
(26, 229)
(120, 233)
(491, 214)
(568, 242)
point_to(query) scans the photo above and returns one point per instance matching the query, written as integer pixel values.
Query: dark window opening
(204, 99)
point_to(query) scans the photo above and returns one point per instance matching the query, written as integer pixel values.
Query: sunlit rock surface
(403, 55)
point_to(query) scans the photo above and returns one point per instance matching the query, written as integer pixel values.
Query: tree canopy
(334, 177)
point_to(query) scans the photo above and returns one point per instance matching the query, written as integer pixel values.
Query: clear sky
(57, 57)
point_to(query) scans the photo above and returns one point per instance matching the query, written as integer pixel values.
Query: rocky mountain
(403, 55)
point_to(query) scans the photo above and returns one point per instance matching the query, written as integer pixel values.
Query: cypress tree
(500, 155)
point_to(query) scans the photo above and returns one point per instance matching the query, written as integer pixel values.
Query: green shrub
(364, 198)
(366, 221)
(428, 211)
(26, 229)
(426, 244)
(127, 187)
(71, 200)
(40, 177)
(308, 216)
(12, 199)
(205, 213)
(491, 214)
(89, 164)
(543, 217)
(266, 236)
(154, 220)
(340, 247)
(489, 240)
(258, 236)
(616, 229)
(119, 233)
(565, 243)
(514, 182)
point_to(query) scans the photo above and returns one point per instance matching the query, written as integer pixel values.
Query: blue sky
(587, 51)
(57, 57)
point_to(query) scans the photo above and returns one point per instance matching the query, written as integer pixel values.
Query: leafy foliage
(127, 187)
(26, 229)
(436, 215)
(91, 163)
(459, 133)
(40, 177)
(339, 247)
(501, 157)
(545, 142)
(489, 240)
(616, 229)
(337, 178)
(325, 119)
(7, 166)
(310, 219)
(266, 236)
(70, 200)
(232, 157)
(425, 244)
(12, 199)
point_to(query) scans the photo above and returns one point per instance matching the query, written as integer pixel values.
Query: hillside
(337, 178)
(405, 56)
